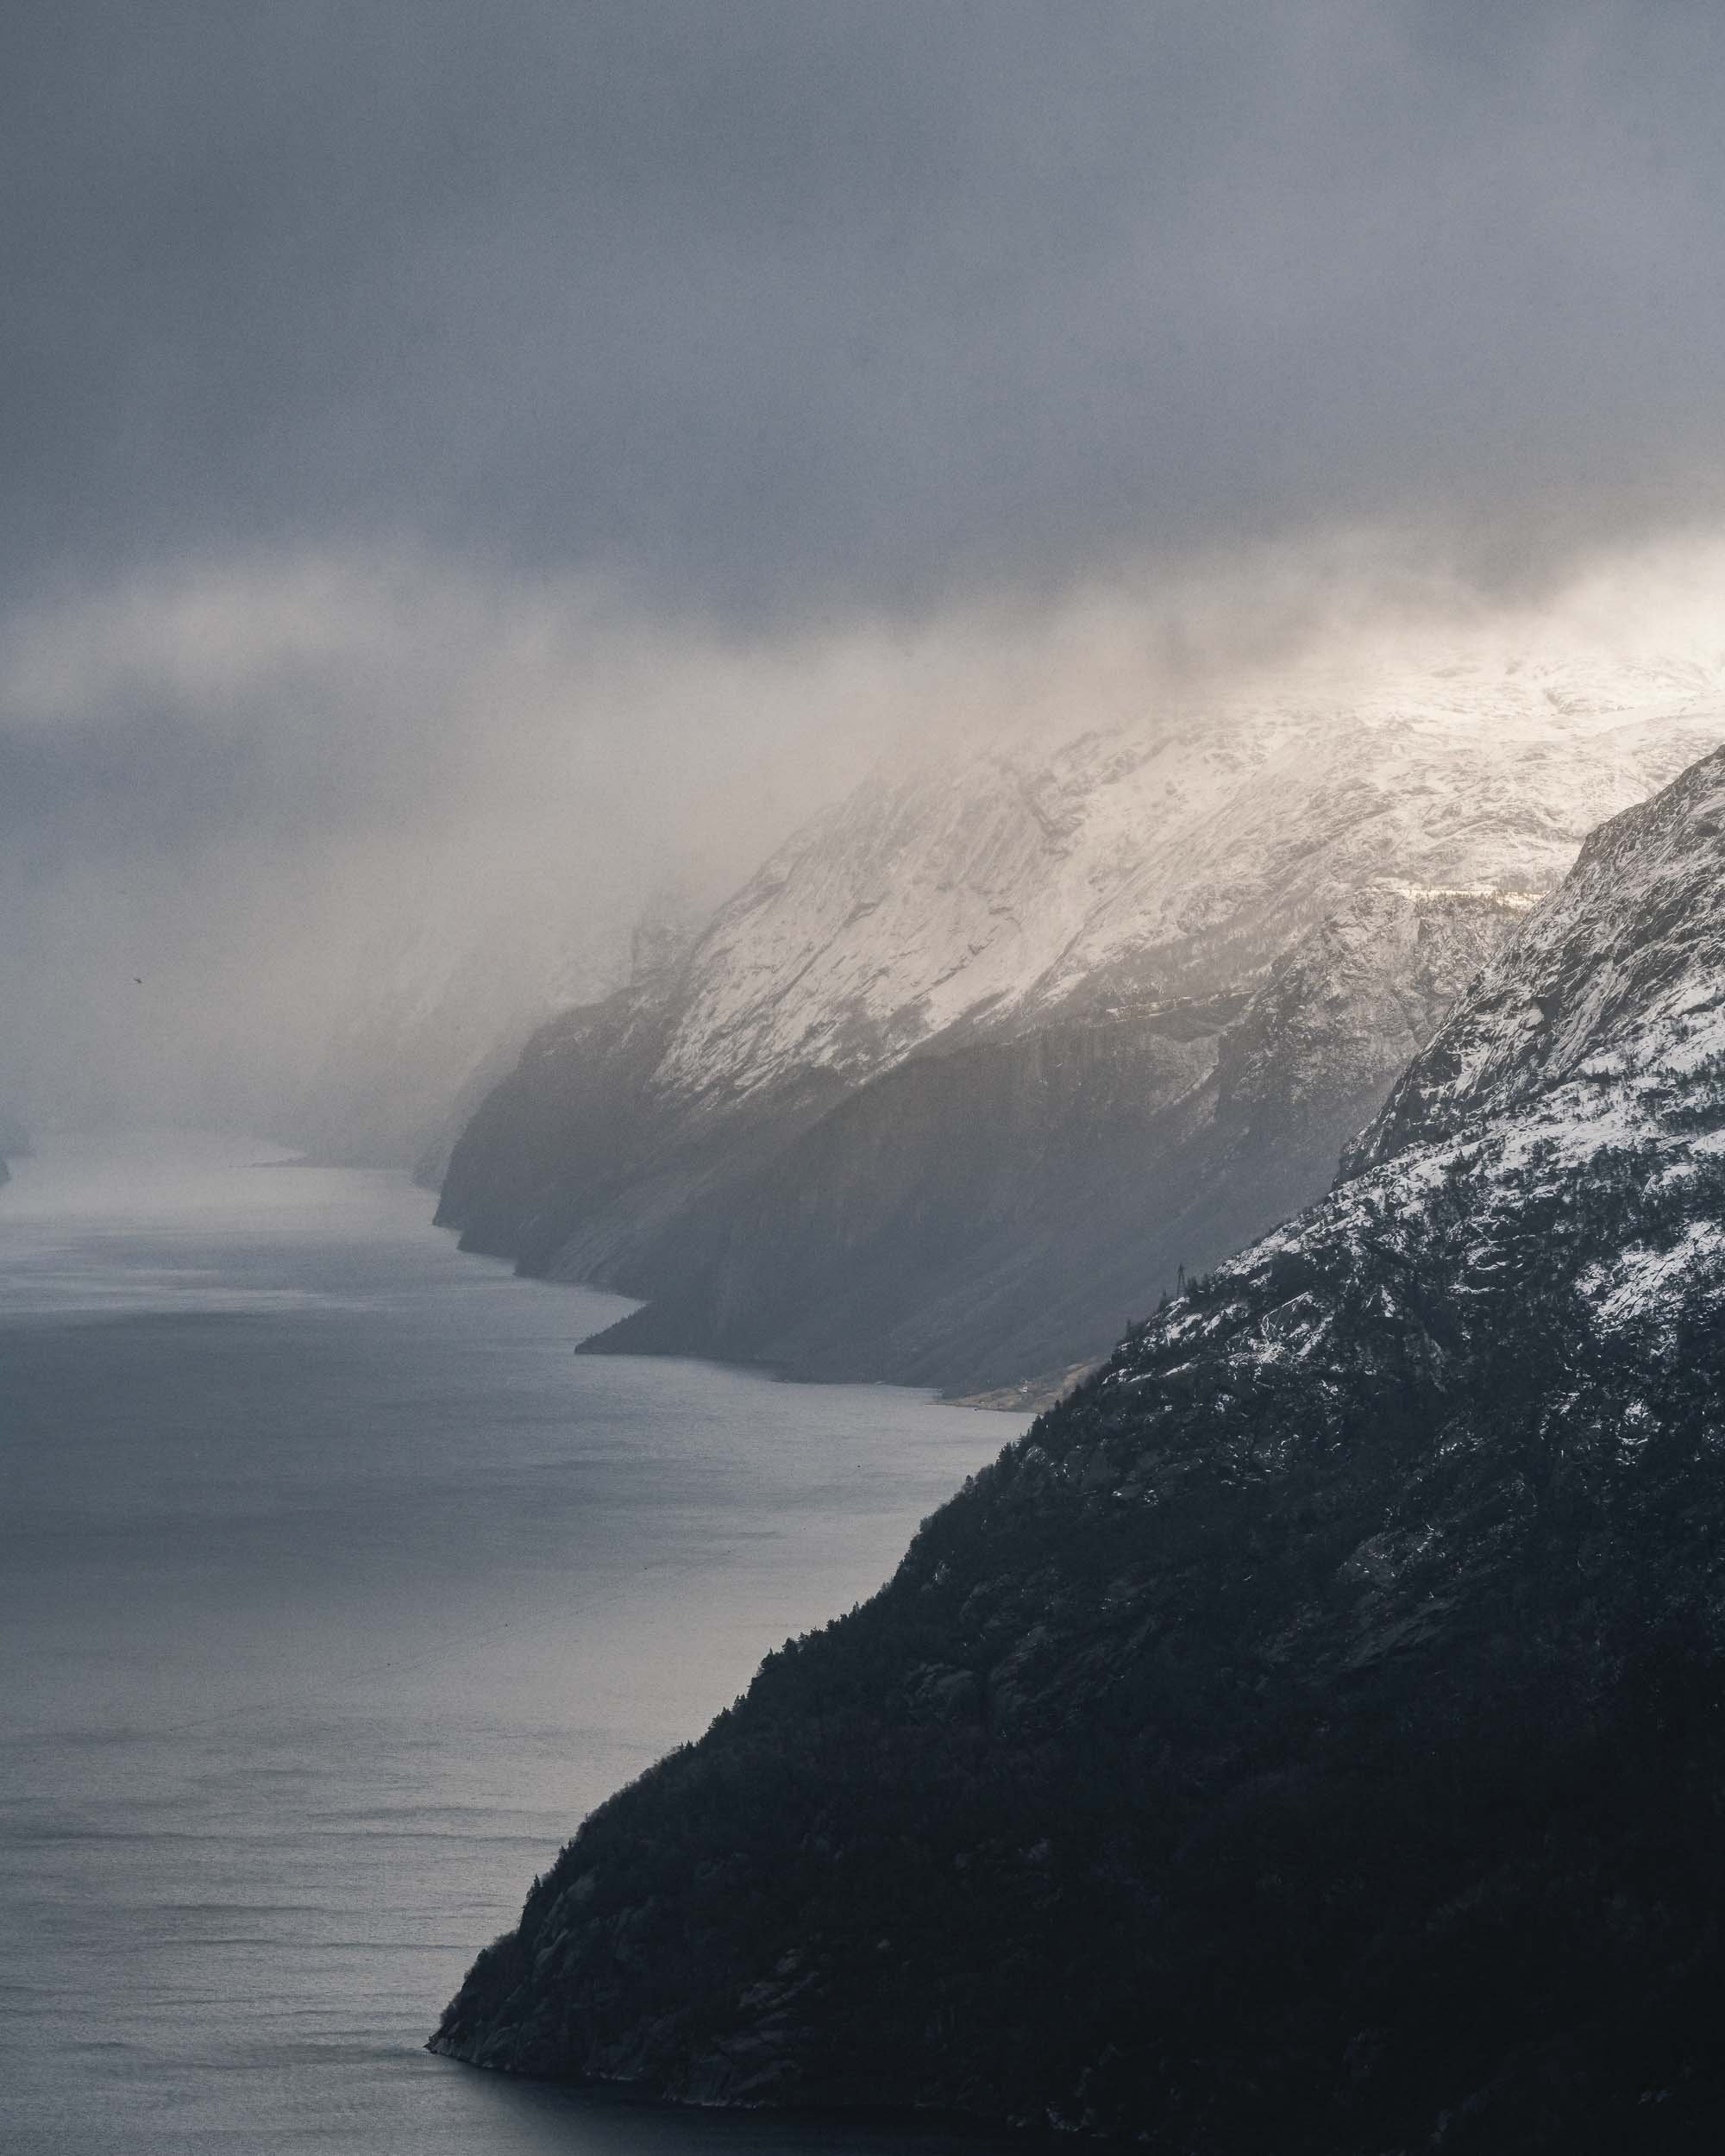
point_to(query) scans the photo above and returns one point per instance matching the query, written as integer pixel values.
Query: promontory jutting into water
(334, 1589)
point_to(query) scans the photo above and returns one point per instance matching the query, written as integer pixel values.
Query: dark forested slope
(1311, 1736)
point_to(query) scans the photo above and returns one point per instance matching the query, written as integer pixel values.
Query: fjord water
(334, 1589)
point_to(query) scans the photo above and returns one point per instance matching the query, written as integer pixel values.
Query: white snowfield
(1621, 977)
(1598, 1032)
(989, 890)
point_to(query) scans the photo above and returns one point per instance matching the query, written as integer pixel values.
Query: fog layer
(467, 465)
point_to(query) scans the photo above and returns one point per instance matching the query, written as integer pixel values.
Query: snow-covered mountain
(1624, 977)
(1136, 990)
(996, 889)
(1308, 1735)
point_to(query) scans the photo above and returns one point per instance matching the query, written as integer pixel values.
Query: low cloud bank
(272, 822)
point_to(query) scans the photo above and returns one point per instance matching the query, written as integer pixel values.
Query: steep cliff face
(1008, 1206)
(957, 1083)
(1623, 976)
(1307, 1737)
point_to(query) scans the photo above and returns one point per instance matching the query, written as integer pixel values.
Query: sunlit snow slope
(954, 1085)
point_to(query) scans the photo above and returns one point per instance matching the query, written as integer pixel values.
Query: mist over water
(334, 1589)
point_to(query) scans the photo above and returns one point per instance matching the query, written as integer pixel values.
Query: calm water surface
(333, 1590)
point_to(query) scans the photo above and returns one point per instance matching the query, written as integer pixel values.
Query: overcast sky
(399, 396)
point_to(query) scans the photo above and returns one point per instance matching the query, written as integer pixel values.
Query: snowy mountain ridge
(986, 890)
(1626, 973)
(1592, 1046)
(959, 1082)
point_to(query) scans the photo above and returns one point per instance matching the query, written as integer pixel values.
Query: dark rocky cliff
(978, 1213)
(1010, 1207)
(1310, 1737)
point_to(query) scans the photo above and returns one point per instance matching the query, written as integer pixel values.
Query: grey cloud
(810, 307)
(462, 459)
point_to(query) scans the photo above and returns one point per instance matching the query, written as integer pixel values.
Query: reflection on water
(333, 1589)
